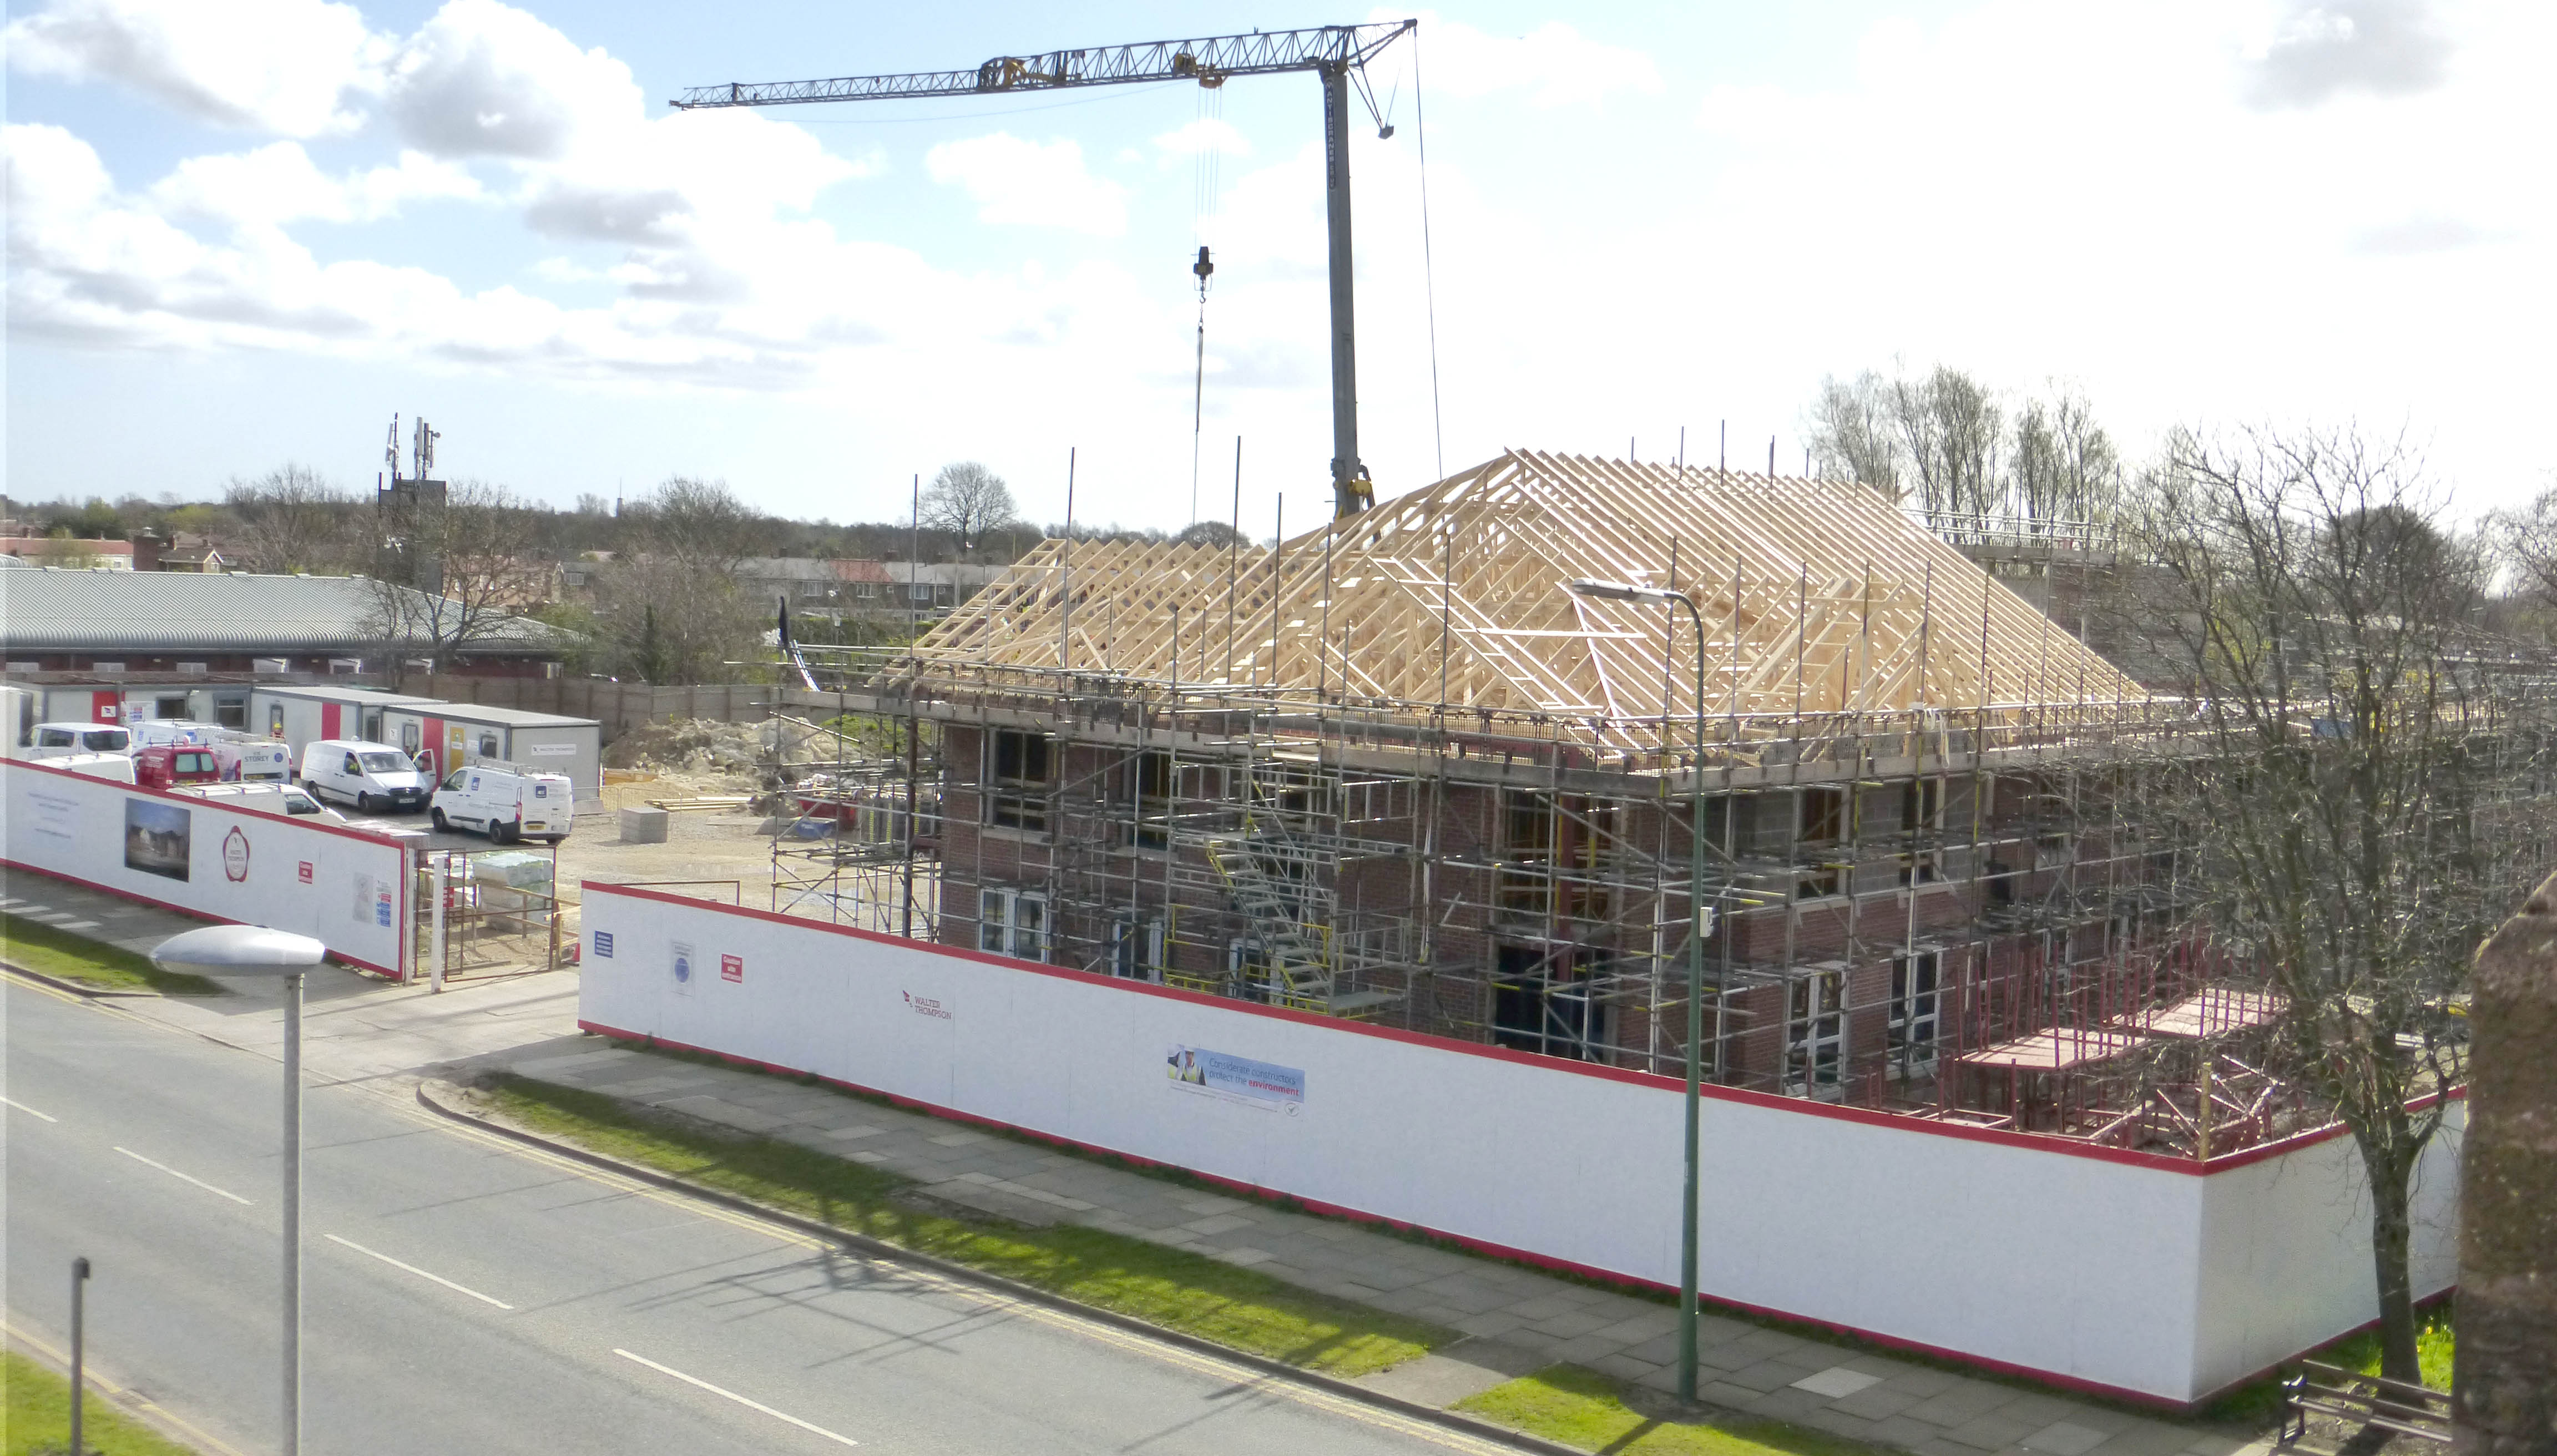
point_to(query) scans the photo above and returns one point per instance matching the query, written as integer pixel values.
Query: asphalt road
(534, 1308)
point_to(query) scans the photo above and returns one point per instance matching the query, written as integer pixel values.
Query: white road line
(733, 1395)
(421, 1274)
(174, 1173)
(30, 1112)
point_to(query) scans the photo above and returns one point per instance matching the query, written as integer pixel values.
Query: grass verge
(64, 956)
(1171, 1287)
(39, 1405)
(2436, 1348)
(1581, 1407)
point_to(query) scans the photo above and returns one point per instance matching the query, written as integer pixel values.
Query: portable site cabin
(303, 715)
(460, 733)
(223, 703)
(34, 703)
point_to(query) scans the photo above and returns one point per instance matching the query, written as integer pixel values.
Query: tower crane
(1336, 53)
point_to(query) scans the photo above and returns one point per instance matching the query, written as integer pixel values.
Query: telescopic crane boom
(1337, 54)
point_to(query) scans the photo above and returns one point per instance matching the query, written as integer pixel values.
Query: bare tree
(701, 522)
(292, 519)
(2359, 784)
(1854, 435)
(671, 598)
(969, 501)
(2062, 465)
(1209, 533)
(457, 573)
(1951, 430)
(674, 622)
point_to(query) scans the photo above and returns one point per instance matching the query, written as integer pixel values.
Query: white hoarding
(347, 889)
(2120, 1271)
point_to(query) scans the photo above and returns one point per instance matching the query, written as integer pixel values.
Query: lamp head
(229, 951)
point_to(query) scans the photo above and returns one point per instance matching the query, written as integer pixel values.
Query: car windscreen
(106, 741)
(384, 763)
(300, 803)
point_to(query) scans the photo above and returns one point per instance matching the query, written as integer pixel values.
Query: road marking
(174, 1173)
(733, 1395)
(29, 1112)
(421, 1274)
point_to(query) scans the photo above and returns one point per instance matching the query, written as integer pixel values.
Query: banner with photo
(1234, 1079)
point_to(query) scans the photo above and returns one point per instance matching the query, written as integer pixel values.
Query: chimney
(147, 547)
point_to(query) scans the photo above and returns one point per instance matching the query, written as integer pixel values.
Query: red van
(176, 763)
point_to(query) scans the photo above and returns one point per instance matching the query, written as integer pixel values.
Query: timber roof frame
(1820, 600)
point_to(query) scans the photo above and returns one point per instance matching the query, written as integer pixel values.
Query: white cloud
(1032, 184)
(1206, 134)
(2319, 50)
(275, 65)
(278, 183)
(1555, 64)
(485, 80)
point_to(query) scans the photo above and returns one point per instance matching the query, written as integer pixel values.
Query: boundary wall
(2132, 1274)
(347, 888)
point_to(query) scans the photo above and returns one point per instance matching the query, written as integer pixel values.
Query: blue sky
(248, 233)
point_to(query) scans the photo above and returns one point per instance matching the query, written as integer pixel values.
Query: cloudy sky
(249, 232)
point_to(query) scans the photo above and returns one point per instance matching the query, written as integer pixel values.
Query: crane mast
(1337, 54)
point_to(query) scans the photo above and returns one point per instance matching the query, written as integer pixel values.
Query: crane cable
(1207, 199)
(1428, 271)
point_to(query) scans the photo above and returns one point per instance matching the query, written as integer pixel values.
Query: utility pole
(1336, 53)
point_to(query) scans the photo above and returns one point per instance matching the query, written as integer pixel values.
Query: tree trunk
(2390, 1171)
(2505, 1384)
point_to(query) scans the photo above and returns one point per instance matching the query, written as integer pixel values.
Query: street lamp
(1702, 927)
(245, 951)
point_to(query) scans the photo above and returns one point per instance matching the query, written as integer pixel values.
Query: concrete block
(645, 826)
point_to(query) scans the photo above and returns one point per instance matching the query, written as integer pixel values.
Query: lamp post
(253, 951)
(1701, 927)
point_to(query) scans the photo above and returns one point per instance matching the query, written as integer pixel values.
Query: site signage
(1231, 1078)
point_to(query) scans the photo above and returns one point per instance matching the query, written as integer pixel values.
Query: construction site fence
(1988, 1244)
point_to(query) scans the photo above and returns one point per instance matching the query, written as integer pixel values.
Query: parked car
(507, 802)
(169, 766)
(62, 739)
(116, 768)
(266, 798)
(369, 776)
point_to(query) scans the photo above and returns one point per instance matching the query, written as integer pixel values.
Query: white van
(369, 776)
(174, 733)
(62, 739)
(265, 798)
(118, 767)
(244, 759)
(508, 801)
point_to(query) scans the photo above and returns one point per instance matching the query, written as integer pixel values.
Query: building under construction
(1397, 770)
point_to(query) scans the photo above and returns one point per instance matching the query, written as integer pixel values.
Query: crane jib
(1208, 59)
(1337, 52)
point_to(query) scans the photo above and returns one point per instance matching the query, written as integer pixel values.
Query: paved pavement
(1516, 1320)
(464, 1294)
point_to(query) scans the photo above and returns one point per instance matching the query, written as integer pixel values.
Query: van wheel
(363, 803)
(441, 826)
(507, 834)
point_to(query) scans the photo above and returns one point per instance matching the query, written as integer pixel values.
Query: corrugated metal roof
(163, 612)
